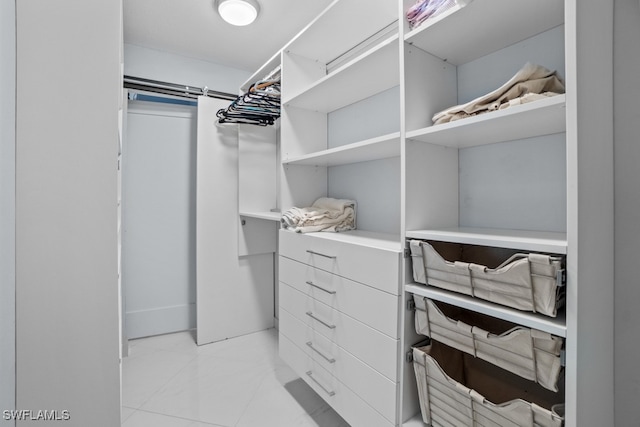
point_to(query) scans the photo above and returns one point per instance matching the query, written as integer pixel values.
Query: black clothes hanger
(260, 105)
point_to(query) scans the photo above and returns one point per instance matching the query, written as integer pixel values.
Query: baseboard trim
(164, 320)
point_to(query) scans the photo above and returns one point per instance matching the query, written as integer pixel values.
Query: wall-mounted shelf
(538, 118)
(316, 43)
(489, 25)
(367, 74)
(371, 149)
(538, 241)
(270, 216)
(553, 325)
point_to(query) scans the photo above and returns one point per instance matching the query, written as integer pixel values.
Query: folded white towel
(325, 214)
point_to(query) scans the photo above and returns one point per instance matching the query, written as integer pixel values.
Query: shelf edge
(269, 216)
(556, 326)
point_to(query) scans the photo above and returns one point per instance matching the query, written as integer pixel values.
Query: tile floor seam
(255, 393)
(152, 395)
(183, 418)
(220, 359)
(133, 411)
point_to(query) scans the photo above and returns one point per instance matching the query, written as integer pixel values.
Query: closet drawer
(369, 305)
(369, 345)
(344, 401)
(372, 265)
(370, 385)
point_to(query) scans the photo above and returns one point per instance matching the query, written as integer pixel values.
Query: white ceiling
(193, 28)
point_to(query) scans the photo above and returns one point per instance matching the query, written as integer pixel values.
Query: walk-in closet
(409, 213)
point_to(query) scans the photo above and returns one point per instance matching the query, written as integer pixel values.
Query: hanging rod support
(156, 86)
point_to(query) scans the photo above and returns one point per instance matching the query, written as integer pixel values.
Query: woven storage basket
(528, 282)
(456, 389)
(529, 353)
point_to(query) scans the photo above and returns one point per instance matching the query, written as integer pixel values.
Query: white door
(158, 218)
(235, 293)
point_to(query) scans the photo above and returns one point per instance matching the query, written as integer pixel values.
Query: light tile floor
(169, 381)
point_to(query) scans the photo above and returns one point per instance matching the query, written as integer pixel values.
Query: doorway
(159, 218)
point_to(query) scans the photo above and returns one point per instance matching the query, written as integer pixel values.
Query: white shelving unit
(463, 37)
(336, 62)
(353, 52)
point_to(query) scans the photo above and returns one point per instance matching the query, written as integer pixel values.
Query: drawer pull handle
(310, 314)
(318, 253)
(329, 392)
(309, 282)
(328, 359)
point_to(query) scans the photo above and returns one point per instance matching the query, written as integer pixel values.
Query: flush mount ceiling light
(238, 12)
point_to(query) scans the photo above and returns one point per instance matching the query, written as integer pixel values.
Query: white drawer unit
(369, 258)
(374, 388)
(339, 304)
(341, 398)
(373, 347)
(369, 305)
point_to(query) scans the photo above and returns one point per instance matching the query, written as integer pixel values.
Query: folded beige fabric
(325, 214)
(531, 79)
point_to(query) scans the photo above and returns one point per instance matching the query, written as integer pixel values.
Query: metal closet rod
(165, 88)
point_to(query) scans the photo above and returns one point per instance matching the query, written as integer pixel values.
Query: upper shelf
(342, 25)
(367, 74)
(464, 33)
(372, 149)
(539, 241)
(543, 117)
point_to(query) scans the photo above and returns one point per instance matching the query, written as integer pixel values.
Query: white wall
(67, 323)
(627, 209)
(371, 117)
(157, 65)
(374, 185)
(7, 207)
(488, 200)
